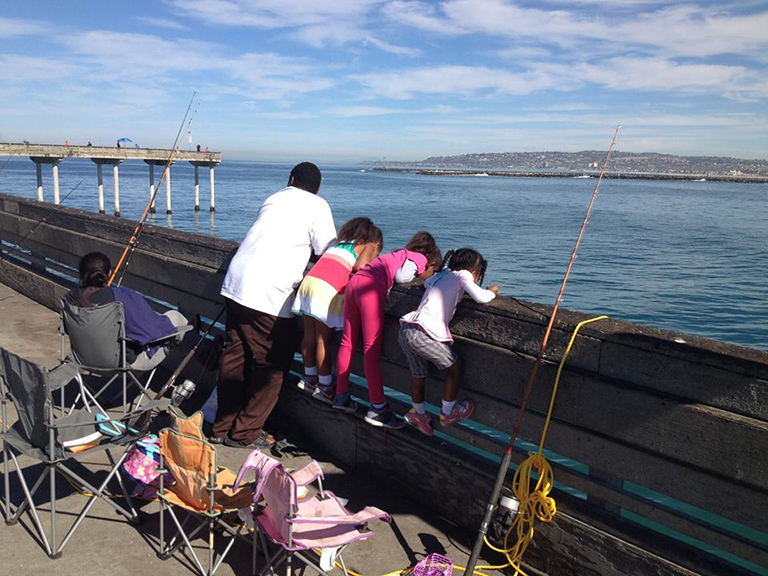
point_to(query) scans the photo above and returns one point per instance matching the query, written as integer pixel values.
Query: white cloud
(274, 13)
(662, 75)
(330, 22)
(19, 69)
(368, 111)
(421, 15)
(161, 23)
(678, 30)
(13, 27)
(274, 77)
(392, 48)
(129, 59)
(621, 73)
(462, 80)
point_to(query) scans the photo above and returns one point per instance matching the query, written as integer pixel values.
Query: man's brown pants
(257, 354)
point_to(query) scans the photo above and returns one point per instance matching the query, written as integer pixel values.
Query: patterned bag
(142, 462)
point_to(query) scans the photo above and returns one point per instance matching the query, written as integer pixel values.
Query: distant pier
(54, 154)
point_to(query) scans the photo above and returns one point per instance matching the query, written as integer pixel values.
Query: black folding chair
(48, 436)
(98, 346)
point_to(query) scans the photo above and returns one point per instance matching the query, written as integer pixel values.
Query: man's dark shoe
(216, 440)
(262, 441)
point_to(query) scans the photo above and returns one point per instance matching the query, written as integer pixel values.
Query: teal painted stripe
(645, 493)
(698, 513)
(727, 556)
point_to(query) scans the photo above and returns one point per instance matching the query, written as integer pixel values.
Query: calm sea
(686, 256)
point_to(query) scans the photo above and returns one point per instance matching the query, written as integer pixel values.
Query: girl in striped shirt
(320, 297)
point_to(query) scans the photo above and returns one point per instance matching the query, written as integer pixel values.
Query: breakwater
(657, 440)
(744, 178)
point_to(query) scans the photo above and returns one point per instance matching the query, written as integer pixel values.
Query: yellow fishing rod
(507, 458)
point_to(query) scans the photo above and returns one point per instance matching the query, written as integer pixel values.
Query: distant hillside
(593, 159)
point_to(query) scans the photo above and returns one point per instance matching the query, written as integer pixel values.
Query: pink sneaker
(461, 410)
(420, 421)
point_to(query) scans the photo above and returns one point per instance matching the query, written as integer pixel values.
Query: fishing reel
(182, 392)
(506, 512)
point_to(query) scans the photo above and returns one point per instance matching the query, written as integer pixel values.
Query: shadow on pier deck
(106, 542)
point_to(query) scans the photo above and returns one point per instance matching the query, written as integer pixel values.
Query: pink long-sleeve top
(393, 267)
(438, 305)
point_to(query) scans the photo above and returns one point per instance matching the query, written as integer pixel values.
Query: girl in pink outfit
(426, 338)
(364, 303)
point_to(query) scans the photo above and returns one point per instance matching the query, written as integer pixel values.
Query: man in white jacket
(259, 290)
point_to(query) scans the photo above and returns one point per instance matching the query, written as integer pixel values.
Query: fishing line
(42, 221)
(504, 468)
(134, 239)
(11, 156)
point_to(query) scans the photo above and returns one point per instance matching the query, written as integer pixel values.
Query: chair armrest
(307, 474)
(363, 517)
(163, 339)
(62, 375)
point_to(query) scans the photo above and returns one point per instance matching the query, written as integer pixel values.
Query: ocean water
(685, 256)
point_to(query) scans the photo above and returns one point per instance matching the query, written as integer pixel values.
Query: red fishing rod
(506, 460)
(125, 257)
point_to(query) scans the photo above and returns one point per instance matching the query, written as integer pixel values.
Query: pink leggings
(363, 309)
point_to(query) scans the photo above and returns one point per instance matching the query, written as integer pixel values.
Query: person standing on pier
(259, 292)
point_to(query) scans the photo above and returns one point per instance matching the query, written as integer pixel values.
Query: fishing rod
(183, 364)
(142, 421)
(507, 458)
(43, 220)
(134, 239)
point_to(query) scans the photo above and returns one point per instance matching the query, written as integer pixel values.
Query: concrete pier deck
(60, 151)
(106, 543)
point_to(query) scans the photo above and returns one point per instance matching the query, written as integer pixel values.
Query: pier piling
(168, 209)
(152, 208)
(100, 178)
(213, 188)
(55, 170)
(39, 169)
(197, 188)
(116, 175)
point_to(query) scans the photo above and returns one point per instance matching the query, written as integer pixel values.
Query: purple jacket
(142, 324)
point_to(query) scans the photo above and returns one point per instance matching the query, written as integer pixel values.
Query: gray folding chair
(98, 346)
(49, 440)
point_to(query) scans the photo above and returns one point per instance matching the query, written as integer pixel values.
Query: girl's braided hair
(466, 259)
(360, 230)
(423, 243)
(94, 269)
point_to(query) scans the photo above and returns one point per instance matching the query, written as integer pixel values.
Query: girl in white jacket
(425, 336)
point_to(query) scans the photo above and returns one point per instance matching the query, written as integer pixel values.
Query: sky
(350, 80)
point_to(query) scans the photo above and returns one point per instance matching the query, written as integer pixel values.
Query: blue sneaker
(344, 402)
(384, 418)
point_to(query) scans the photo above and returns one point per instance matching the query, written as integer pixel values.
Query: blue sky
(344, 80)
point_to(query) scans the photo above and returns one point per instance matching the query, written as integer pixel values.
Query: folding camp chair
(200, 488)
(53, 441)
(98, 343)
(300, 525)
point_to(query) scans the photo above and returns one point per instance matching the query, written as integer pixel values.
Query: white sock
(448, 407)
(310, 370)
(326, 380)
(419, 407)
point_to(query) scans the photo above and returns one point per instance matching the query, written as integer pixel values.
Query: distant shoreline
(742, 178)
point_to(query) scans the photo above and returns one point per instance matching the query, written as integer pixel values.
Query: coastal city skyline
(347, 80)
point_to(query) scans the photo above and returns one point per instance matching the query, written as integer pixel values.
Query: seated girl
(142, 324)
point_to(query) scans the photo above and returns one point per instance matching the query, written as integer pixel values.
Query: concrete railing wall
(658, 439)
